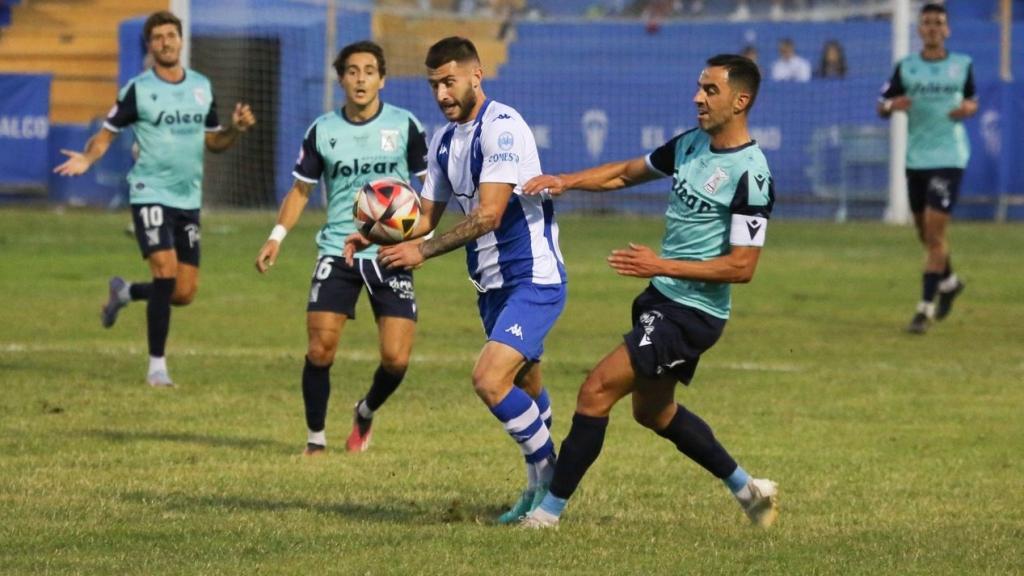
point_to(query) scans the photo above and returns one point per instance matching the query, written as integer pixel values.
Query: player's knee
(320, 352)
(487, 387)
(184, 297)
(654, 418)
(595, 397)
(396, 365)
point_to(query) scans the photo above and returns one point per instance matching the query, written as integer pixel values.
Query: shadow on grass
(430, 512)
(186, 438)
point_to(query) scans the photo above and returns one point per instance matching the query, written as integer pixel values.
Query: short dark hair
(159, 19)
(452, 48)
(932, 7)
(361, 47)
(742, 72)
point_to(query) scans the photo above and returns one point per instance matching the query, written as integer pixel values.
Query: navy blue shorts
(521, 316)
(336, 287)
(159, 227)
(938, 188)
(668, 338)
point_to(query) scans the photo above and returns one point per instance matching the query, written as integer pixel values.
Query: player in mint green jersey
(936, 90)
(174, 116)
(366, 139)
(718, 208)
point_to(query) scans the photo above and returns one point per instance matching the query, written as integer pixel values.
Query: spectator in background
(833, 61)
(749, 52)
(790, 67)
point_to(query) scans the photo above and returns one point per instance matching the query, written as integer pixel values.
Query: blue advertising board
(24, 130)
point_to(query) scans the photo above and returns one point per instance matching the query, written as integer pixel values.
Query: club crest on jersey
(388, 140)
(716, 180)
(200, 96)
(506, 141)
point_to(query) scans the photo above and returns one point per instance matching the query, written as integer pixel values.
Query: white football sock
(744, 494)
(156, 364)
(364, 410)
(318, 438)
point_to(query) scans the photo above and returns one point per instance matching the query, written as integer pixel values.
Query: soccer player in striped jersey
(936, 90)
(366, 139)
(480, 162)
(174, 115)
(718, 208)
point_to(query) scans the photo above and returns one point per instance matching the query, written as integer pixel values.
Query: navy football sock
(140, 291)
(316, 389)
(694, 438)
(158, 315)
(579, 450)
(930, 285)
(384, 385)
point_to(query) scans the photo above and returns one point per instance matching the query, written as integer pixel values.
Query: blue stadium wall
(646, 104)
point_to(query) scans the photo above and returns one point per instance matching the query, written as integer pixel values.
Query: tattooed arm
(494, 199)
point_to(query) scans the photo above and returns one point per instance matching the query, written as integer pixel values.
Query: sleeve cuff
(305, 179)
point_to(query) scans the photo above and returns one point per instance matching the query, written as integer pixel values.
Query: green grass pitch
(895, 454)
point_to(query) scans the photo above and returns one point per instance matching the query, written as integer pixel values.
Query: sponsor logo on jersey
(688, 197)
(515, 330)
(356, 168)
(506, 141)
(716, 180)
(178, 117)
(503, 157)
(388, 140)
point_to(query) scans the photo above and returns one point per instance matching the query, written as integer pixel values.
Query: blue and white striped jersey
(498, 147)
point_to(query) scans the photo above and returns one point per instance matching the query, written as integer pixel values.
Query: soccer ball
(386, 210)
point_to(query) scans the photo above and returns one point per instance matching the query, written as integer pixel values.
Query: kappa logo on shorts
(515, 330)
(152, 236)
(314, 292)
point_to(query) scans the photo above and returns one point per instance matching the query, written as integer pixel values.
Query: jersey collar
(341, 113)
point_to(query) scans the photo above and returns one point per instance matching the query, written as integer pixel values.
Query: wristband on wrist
(278, 233)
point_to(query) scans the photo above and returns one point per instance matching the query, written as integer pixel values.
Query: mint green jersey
(348, 155)
(934, 87)
(719, 199)
(170, 122)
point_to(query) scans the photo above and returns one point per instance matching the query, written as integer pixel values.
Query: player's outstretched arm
(294, 202)
(737, 266)
(486, 218)
(603, 178)
(241, 120)
(79, 162)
